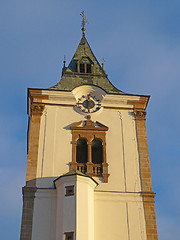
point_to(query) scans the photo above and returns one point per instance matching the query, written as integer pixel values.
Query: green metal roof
(72, 79)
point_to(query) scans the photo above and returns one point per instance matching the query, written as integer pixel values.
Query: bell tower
(88, 171)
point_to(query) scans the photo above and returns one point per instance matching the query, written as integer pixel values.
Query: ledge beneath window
(91, 169)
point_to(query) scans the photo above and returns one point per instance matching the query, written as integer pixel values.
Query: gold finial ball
(83, 29)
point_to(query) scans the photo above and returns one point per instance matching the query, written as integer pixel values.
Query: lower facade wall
(116, 215)
(44, 216)
(119, 216)
(39, 214)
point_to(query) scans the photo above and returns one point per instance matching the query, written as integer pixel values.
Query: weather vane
(84, 21)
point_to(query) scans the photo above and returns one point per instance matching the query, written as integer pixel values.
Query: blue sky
(140, 41)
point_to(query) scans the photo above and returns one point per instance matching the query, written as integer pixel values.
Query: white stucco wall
(85, 208)
(75, 213)
(117, 205)
(66, 207)
(55, 148)
(44, 215)
(119, 216)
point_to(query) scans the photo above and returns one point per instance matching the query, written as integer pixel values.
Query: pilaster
(27, 216)
(33, 142)
(145, 172)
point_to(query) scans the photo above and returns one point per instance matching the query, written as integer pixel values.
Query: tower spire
(84, 21)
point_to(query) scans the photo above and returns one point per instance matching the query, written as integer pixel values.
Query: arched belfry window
(97, 151)
(81, 151)
(85, 65)
(82, 68)
(89, 148)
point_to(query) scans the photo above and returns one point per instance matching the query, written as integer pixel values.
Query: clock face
(88, 104)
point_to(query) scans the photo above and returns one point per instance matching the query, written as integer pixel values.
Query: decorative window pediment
(89, 148)
(89, 125)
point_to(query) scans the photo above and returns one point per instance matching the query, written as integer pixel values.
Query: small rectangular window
(69, 190)
(82, 68)
(69, 235)
(88, 68)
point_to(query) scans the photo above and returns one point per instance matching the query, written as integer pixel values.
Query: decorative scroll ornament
(140, 115)
(37, 109)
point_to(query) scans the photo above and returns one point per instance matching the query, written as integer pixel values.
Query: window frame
(87, 66)
(68, 189)
(90, 132)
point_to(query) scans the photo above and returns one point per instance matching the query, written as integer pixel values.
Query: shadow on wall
(43, 182)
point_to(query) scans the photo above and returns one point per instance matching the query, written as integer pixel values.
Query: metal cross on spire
(84, 21)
